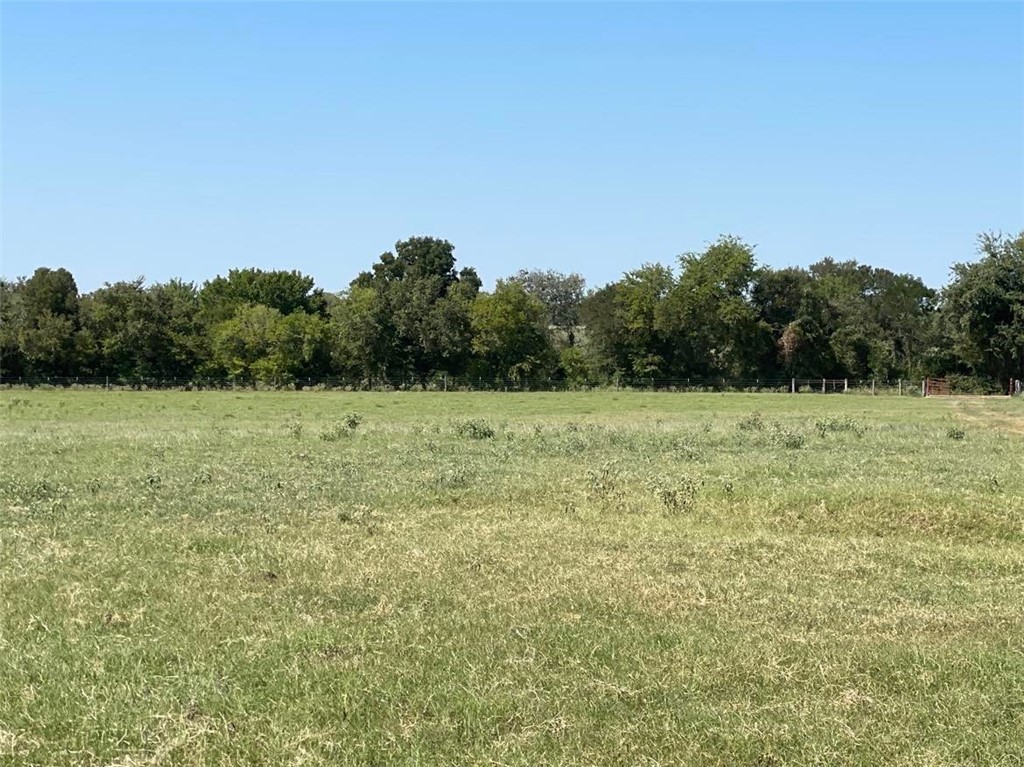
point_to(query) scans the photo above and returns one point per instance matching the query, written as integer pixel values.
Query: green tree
(130, 331)
(639, 300)
(50, 291)
(510, 335)
(422, 311)
(286, 292)
(903, 309)
(176, 308)
(47, 322)
(846, 317)
(878, 323)
(12, 361)
(983, 308)
(300, 348)
(708, 313)
(603, 335)
(243, 345)
(561, 294)
(786, 302)
(259, 344)
(359, 335)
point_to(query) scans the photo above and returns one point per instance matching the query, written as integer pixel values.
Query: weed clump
(606, 486)
(343, 428)
(473, 428)
(452, 478)
(777, 434)
(753, 422)
(611, 487)
(677, 495)
(834, 424)
(784, 437)
(955, 433)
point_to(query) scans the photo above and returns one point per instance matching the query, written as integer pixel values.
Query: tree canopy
(416, 315)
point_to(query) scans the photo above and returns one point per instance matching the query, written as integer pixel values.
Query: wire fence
(897, 387)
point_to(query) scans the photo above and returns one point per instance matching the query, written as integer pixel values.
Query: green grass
(608, 578)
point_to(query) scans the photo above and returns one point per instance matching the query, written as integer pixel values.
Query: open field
(610, 578)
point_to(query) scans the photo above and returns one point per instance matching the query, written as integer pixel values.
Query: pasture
(319, 578)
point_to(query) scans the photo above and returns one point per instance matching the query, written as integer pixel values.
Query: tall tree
(131, 331)
(510, 335)
(12, 361)
(786, 302)
(561, 294)
(604, 336)
(48, 322)
(360, 335)
(715, 328)
(176, 307)
(983, 308)
(284, 291)
(422, 308)
(639, 300)
(903, 309)
(242, 345)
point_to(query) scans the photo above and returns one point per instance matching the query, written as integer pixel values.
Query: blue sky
(184, 139)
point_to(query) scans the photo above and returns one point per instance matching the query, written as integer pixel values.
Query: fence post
(846, 385)
(900, 389)
(822, 385)
(924, 387)
(445, 377)
(792, 386)
(872, 387)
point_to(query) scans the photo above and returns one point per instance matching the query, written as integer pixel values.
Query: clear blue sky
(184, 139)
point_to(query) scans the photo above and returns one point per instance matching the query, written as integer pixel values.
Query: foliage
(473, 428)
(285, 292)
(44, 321)
(983, 308)
(510, 336)
(343, 428)
(418, 321)
(414, 319)
(715, 329)
(561, 294)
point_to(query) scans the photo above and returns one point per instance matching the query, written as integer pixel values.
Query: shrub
(839, 424)
(753, 422)
(676, 495)
(474, 428)
(343, 428)
(782, 436)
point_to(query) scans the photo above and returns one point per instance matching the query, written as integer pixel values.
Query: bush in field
(344, 428)
(777, 434)
(676, 495)
(473, 428)
(607, 486)
(753, 422)
(839, 424)
(782, 436)
(955, 433)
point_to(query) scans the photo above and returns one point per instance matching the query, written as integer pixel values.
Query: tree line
(415, 317)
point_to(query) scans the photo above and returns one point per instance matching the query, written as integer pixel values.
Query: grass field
(610, 578)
